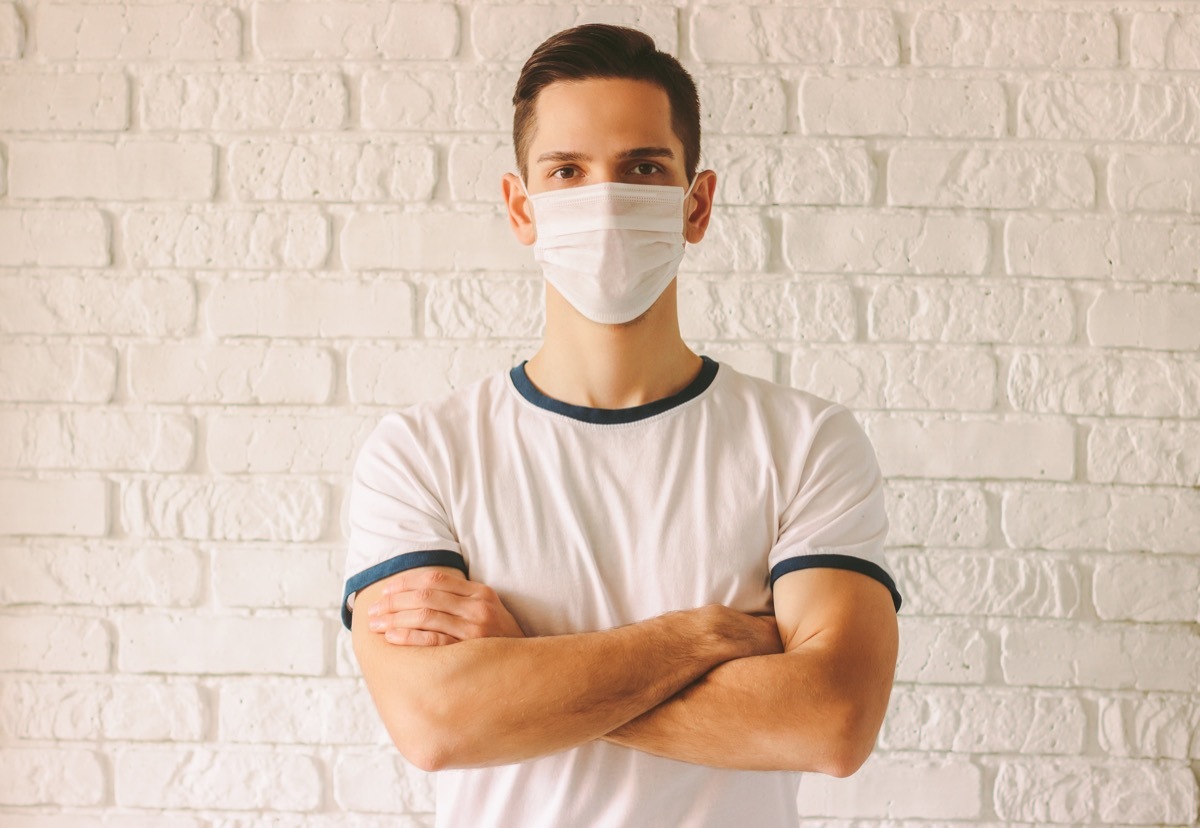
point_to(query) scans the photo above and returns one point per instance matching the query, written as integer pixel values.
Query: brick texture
(236, 233)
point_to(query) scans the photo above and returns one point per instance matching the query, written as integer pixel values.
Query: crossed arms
(458, 685)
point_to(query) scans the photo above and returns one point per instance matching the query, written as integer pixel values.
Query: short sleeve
(837, 517)
(396, 520)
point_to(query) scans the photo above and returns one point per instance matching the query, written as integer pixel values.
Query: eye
(647, 168)
(564, 173)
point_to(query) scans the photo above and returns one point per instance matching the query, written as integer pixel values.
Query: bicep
(851, 617)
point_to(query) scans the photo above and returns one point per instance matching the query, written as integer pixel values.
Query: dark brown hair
(597, 50)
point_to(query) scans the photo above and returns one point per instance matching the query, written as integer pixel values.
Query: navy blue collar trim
(708, 372)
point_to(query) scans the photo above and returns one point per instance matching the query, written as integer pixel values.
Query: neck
(612, 366)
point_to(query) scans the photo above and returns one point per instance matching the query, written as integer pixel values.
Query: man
(677, 597)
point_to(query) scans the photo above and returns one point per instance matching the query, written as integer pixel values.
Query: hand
(430, 607)
(748, 635)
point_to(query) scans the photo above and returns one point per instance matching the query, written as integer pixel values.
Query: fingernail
(376, 624)
(373, 609)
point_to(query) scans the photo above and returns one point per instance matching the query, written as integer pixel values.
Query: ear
(520, 214)
(700, 209)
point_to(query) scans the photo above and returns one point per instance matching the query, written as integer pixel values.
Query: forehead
(602, 112)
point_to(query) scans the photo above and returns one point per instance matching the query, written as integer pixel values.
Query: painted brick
(474, 170)
(355, 31)
(1151, 725)
(100, 574)
(983, 720)
(342, 819)
(897, 787)
(401, 376)
(775, 173)
(932, 107)
(57, 373)
(954, 312)
(936, 515)
(485, 308)
(851, 242)
(133, 31)
(300, 711)
(742, 105)
(1158, 182)
(1082, 110)
(230, 374)
(426, 100)
(306, 307)
(930, 446)
(1019, 39)
(822, 36)
(43, 302)
(282, 576)
(53, 238)
(220, 644)
(954, 583)
(289, 509)
(98, 439)
(270, 443)
(12, 32)
(85, 101)
(937, 652)
(1140, 453)
(778, 310)
(1100, 656)
(898, 378)
(510, 33)
(255, 239)
(107, 821)
(78, 710)
(275, 170)
(1146, 588)
(249, 99)
(56, 643)
(1162, 40)
(1087, 248)
(48, 776)
(39, 507)
(1165, 320)
(737, 241)
(431, 241)
(233, 779)
(1114, 520)
(1087, 382)
(130, 171)
(1082, 791)
(380, 781)
(989, 178)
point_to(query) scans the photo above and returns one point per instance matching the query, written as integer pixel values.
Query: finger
(428, 620)
(430, 577)
(424, 598)
(418, 638)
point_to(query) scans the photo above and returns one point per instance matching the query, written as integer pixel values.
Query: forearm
(792, 711)
(499, 700)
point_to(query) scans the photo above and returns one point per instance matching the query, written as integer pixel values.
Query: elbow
(426, 730)
(851, 742)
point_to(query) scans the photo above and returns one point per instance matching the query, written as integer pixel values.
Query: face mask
(610, 249)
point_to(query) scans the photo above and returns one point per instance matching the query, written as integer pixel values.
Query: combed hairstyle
(598, 50)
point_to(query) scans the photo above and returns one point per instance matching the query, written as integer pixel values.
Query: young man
(620, 584)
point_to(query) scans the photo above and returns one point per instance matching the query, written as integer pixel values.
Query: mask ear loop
(687, 194)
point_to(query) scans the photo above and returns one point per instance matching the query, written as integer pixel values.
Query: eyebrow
(625, 155)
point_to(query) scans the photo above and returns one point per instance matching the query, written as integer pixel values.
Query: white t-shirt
(585, 519)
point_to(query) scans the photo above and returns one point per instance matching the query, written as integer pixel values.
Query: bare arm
(816, 707)
(497, 700)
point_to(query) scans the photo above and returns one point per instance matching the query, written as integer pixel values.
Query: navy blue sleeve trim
(409, 560)
(837, 562)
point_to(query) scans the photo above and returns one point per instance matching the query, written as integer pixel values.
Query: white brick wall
(232, 237)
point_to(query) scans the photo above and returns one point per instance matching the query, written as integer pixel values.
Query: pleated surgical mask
(612, 248)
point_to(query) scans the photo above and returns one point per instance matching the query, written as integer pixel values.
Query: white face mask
(610, 249)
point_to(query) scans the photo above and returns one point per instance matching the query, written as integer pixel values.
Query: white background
(234, 234)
